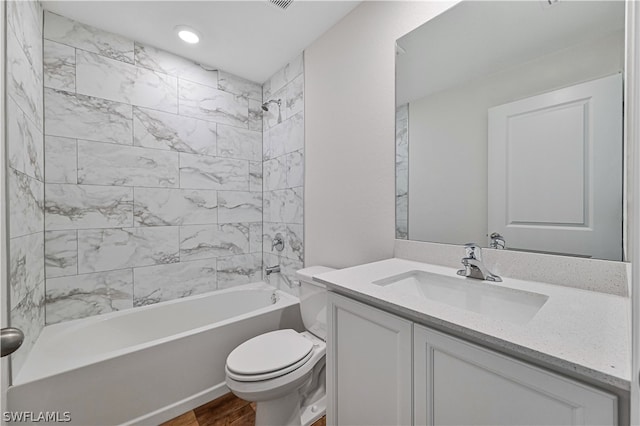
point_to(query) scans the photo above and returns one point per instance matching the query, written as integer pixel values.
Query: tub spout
(271, 269)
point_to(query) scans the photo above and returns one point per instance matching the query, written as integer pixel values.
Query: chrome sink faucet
(473, 266)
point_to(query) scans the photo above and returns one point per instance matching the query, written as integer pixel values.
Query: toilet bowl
(283, 371)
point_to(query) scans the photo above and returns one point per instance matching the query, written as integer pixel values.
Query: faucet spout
(474, 267)
(272, 269)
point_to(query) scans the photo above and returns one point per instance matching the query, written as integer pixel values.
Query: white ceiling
(251, 39)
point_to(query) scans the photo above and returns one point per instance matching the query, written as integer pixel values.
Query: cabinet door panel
(460, 383)
(368, 365)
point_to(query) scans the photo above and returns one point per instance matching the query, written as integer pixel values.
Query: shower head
(265, 106)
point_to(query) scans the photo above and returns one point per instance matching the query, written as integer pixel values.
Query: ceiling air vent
(282, 4)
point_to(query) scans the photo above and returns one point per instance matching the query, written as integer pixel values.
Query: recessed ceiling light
(187, 34)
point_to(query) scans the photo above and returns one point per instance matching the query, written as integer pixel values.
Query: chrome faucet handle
(473, 251)
(277, 242)
(497, 241)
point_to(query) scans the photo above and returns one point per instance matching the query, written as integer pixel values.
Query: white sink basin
(502, 303)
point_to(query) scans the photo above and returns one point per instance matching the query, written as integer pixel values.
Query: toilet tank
(313, 301)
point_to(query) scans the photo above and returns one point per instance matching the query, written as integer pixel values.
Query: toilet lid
(269, 352)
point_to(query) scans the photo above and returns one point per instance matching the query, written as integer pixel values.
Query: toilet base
(312, 412)
(283, 411)
(286, 411)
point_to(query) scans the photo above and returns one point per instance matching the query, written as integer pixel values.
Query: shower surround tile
(24, 78)
(106, 78)
(61, 253)
(255, 237)
(275, 174)
(239, 86)
(402, 171)
(283, 155)
(26, 266)
(239, 206)
(293, 239)
(294, 245)
(234, 142)
(155, 284)
(168, 63)
(161, 130)
(25, 19)
(86, 295)
(87, 206)
(62, 160)
(110, 164)
(155, 206)
(255, 176)
(203, 172)
(238, 270)
(199, 101)
(84, 117)
(283, 205)
(295, 96)
(286, 137)
(109, 249)
(24, 138)
(255, 115)
(295, 169)
(24, 172)
(59, 66)
(28, 315)
(283, 76)
(286, 171)
(184, 149)
(26, 204)
(210, 241)
(63, 30)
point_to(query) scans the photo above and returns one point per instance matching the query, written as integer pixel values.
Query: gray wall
(25, 172)
(349, 133)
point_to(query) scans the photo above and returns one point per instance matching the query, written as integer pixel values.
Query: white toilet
(283, 371)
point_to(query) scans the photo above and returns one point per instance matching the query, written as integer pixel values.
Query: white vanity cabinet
(385, 370)
(369, 365)
(459, 383)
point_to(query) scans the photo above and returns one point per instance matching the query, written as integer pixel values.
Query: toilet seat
(268, 356)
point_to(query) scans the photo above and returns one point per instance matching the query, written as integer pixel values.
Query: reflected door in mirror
(555, 170)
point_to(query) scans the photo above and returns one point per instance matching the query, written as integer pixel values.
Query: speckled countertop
(585, 334)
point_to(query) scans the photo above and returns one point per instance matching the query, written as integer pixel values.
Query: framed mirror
(509, 127)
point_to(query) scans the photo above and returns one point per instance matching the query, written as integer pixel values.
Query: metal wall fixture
(265, 107)
(497, 241)
(10, 340)
(278, 242)
(271, 269)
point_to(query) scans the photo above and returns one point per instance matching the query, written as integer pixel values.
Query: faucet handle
(277, 242)
(473, 251)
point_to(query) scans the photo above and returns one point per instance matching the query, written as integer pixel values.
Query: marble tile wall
(402, 172)
(25, 170)
(283, 180)
(153, 174)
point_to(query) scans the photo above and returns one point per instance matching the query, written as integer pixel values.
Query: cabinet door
(368, 365)
(458, 383)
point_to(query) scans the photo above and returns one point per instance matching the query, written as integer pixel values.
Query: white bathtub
(149, 364)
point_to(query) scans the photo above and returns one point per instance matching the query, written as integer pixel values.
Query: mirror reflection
(509, 127)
